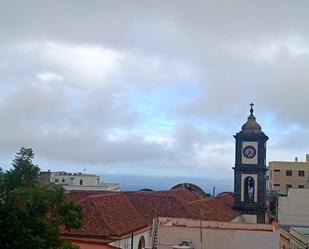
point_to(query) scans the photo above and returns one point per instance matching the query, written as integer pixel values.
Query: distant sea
(129, 182)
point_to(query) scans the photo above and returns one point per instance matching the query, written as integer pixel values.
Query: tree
(30, 214)
(24, 172)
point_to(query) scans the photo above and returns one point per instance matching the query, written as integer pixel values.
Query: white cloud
(49, 77)
(85, 65)
(270, 49)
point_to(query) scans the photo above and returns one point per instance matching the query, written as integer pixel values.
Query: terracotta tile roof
(108, 215)
(185, 195)
(78, 195)
(152, 205)
(227, 198)
(172, 203)
(213, 208)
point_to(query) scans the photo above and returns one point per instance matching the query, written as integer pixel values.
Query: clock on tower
(250, 170)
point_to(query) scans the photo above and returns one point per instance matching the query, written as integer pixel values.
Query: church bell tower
(250, 170)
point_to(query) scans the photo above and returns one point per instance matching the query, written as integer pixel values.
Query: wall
(279, 177)
(293, 209)
(249, 218)
(219, 236)
(88, 245)
(74, 179)
(102, 187)
(125, 242)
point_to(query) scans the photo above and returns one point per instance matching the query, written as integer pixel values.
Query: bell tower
(250, 170)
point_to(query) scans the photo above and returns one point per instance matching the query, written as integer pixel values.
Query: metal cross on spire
(251, 109)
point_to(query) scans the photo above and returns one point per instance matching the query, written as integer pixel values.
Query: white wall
(88, 179)
(102, 187)
(229, 235)
(125, 243)
(293, 209)
(249, 218)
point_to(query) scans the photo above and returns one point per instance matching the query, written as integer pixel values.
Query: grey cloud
(232, 53)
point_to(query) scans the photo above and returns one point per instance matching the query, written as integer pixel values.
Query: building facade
(77, 181)
(285, 175)
(250, 170)
(200, 234)
(293, 208)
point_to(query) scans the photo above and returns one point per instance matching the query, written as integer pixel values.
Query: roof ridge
(98, 195)
(207, 199)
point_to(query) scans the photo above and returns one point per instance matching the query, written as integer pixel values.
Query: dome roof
(251, 125)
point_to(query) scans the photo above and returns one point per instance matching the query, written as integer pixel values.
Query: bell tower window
(249, 189)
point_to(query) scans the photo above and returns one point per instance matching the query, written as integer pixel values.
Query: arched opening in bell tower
(249, 189)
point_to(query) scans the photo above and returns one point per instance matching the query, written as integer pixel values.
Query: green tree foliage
(30, 214)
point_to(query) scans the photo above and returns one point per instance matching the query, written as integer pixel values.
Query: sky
(151, 88)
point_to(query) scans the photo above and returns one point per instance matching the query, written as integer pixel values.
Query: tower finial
(251, 109)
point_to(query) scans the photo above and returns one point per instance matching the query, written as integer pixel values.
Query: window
(301, 173)
(300, 186)
(289, 173)
(141, 243)
(81, 182)
(63, 180)
(277, 185)
(249, 189)
(56, 180)
(277, 170)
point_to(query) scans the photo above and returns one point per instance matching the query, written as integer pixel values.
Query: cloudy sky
(151, 87)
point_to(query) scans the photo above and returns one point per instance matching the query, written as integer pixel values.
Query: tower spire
(251, 109)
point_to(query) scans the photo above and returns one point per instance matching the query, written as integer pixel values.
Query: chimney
(296, 159)
(307, 158)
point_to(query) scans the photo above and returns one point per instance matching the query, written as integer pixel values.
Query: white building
(293, 208)
(77, 181)
(200, 234)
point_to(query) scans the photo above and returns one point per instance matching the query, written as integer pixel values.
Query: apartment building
(77, 181)
(285, 175)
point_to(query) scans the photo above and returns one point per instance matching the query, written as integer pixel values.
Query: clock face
(249, 151)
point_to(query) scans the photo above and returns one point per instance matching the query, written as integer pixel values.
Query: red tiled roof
(108, 215)
(185, 195)
(172, 203)
(78, 195)
(151, 205)
(213, 208)
(227, 198)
